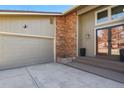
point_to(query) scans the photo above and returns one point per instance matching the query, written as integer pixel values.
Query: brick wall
(60, 36)
(66, 35)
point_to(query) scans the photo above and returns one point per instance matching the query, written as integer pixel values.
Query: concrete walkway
(52, 75)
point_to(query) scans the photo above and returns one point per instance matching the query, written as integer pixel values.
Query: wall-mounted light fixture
(87, 36)
(51, 20)
(25, 26)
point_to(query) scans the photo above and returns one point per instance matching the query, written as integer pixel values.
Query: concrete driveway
(52, 75)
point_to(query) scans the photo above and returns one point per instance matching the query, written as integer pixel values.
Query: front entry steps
(111, 70)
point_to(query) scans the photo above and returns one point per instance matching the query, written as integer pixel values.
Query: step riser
(116, 76)
(105, 65)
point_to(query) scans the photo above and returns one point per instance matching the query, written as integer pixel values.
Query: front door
(110, 40)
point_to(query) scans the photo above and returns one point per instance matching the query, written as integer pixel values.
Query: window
(110, 40)
(110, 14)
(102, 16)
(117, 11)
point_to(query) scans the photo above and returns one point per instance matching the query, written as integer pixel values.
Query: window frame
(110, 20)
(111, 12)
(96, 14)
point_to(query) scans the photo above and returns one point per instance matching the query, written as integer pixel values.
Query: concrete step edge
(101, 65)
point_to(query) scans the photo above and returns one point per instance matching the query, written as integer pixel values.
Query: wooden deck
(113, 70)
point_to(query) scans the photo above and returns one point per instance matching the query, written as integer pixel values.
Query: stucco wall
(36, 25)
(87, 26)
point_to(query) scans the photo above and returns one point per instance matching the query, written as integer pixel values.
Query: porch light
(87, 36)
(25, 26)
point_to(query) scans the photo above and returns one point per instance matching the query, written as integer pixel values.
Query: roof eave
(14, 12)
(71, 9)
(23, 13)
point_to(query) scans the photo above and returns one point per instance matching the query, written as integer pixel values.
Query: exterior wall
(60, 36)
(19, 50)
(87, 26)
(66, 35)
(71, 34)
(87, 23)
(36, 25)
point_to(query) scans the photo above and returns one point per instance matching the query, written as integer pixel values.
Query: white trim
(106, 8)
(101, 10)
(95, 18)
(108, 25)
(55, 43)
(112, 21)
(86, 9)
(94, 41)
(26, 35)
(54, 50)
(77, 52)
(109, 14)
(23, 13)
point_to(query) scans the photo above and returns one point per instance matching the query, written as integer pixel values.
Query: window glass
(117, 12)
(102, 41)
(102, 16)
(117, 39)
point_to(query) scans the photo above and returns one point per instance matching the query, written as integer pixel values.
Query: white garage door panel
(19, 51)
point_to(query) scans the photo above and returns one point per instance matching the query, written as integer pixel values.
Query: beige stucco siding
(18, 50)
(87, 26)
(36, 25)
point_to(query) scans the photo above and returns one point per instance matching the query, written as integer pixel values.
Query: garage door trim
(26, 35)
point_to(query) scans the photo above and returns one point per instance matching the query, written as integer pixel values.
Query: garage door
(21, 46)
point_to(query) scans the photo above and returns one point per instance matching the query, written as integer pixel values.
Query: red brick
(66, 35)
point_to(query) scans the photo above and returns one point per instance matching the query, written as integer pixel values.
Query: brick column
(66, 35)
